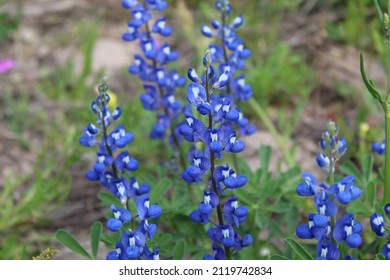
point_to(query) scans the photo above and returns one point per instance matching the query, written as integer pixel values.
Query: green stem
(331, 180)
(280, 140)
(386, 196)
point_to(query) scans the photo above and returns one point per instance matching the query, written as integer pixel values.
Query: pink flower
(6, 65)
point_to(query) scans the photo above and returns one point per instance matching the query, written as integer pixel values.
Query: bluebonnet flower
(233, 213)
(379, 148)
(332, 146)
(321, 224)
(205, 209)
(110, 168)
(377, 224)
(151, 67)
(326, 250)
(317, 227)
(386, 208)
(121, 216)
(349, 230)
(230, 53)
(345, 191)
(386, 251)
(217, 138)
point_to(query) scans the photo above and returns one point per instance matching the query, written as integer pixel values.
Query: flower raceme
(160, 83)
(218, 139)
(328, 199)
(230, 53)
(111, 169)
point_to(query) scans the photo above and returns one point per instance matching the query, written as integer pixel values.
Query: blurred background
(303, 71)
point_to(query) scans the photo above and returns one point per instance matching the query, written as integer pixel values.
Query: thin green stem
(280, 140)
(331, 180)
(386, 195)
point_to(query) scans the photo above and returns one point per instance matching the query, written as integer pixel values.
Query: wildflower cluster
(328, 199)
(112, 169)
(230, 53)
(160, 83)
(218, 139)
(377, 223)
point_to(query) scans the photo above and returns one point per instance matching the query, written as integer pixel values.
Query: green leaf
(280, 207)
(359, 208)
(22, 254)
(298, 249)
(369, 84)
(160, 190)
(371, 193)
(260, 220)
(278, 257)
(164, 238)
(367, 163)
(350, 168)
(380, 15)
(108, 199)
(179, 249)
(265, 156)
(379, 256)
(70, 242)
(96, 231)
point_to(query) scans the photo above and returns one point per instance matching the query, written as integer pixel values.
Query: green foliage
(356, 27)
(8, 23)
(298, 249)
(66, 82)
(69, 241)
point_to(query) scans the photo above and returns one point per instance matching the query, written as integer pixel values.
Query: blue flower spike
(152, 66)
(111, 168)
(327, 200)
(218, 138)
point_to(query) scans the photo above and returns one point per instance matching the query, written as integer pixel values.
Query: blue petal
(125, 215)
(205, 208)
(112, 255)
(247, 240)
(241, 181)
(92, 175)
(196, 216)
(216, 147)
(114, 224)
(132, 252)
(303, 232)
(238, 147)
(206, 31)
(320, 220)
(154, 211)
(344, 197)
(354, 240)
